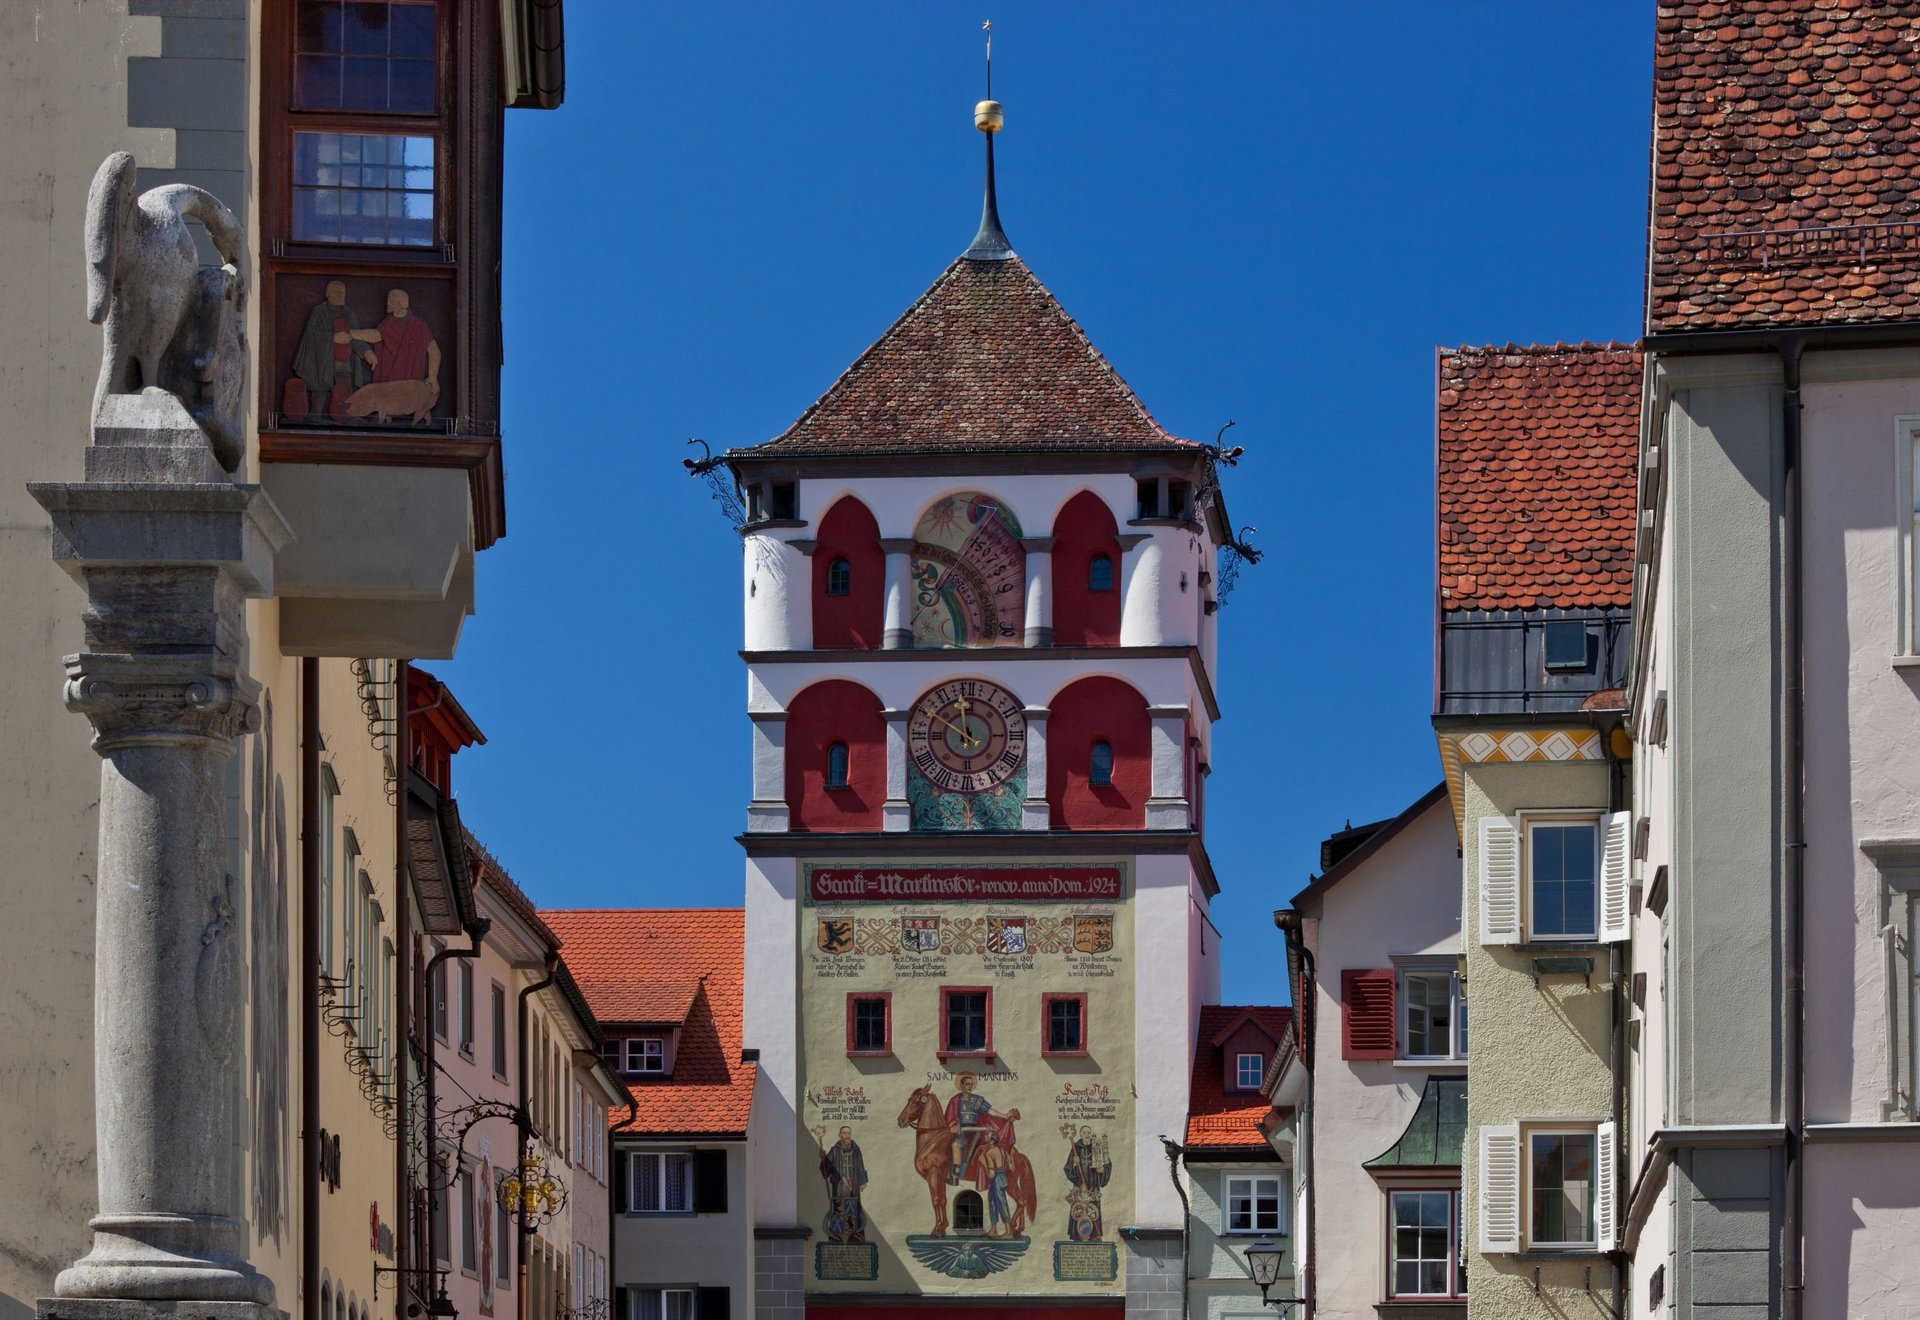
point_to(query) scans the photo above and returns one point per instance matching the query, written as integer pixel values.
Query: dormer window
(839, 578)
(837, 765)
(647, 1055)
(1249, 1070)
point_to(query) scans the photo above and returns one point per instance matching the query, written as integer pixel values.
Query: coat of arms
(836, 934)
(1007, 935)
(920, 934)
(1092, 934)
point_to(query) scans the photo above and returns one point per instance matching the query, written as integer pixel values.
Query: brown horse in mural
(932, 1149)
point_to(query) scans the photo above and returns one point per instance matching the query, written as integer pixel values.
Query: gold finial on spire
(987, 116)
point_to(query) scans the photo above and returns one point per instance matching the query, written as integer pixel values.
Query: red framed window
(966, 1021)
(870, 1023)
(1063, 1025)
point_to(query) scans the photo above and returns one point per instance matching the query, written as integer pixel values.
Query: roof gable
(985, 360)
(1537, 448)
(1219, 1120)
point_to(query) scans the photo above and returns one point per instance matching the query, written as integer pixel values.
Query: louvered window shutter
(1499, 1189)
(621, 1159)
(1366, 1013)
(712, 1304)
(1606, 1213)
(1615, 858)
(1499, 880)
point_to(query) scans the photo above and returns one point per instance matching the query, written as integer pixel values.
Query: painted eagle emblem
(966, 1257)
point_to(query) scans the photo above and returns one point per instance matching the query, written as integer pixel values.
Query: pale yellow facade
(910, 952)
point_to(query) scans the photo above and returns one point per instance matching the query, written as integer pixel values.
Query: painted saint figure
(331, 360)
(1089, 1169)
(845, 1173)
(971, 1116)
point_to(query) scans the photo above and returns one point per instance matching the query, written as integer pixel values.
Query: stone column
(769, 812)
(897, 634)
(1034, 814)
(168, 548)
(896, 815)
(1139, 612)
(1039, 589)
(1167, 806)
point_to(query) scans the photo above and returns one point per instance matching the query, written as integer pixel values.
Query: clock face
(967, 736)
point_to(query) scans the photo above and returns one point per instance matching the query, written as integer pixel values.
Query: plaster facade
(1541, 1043)
(1397, 907)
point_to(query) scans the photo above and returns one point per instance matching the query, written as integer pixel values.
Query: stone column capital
(133, 700)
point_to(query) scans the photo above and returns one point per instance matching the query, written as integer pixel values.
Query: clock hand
(967, 739)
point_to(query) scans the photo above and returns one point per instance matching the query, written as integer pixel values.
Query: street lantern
(1263, 1259)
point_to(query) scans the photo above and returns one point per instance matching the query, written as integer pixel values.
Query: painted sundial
(969, 574)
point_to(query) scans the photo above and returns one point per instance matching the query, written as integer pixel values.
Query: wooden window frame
(885, 999)
(1228, 1177)
(1560, 1128)
(1530, 821)
(660, 1177)
(986, 1053)
(1455, 1238)
(1047, 1001)
(1456, 1008)
(1239, 1084)
(845, 780)
(844, 566)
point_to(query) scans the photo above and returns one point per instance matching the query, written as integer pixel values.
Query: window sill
(967, 1056)
(1906, 662)
(1433, 1065)
(1560, 1253)
(1065, 1054)
(1572, 944)
(1421, 1304)
(762, 524)
(869, 1054)
(1254, 1233)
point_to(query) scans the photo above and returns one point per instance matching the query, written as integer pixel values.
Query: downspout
(403, 998)
(311, 1029)
(1174, 1151)
(476, 932)
(525, 1123)
(615, 1177)
(1289, 923)
(1793, 933)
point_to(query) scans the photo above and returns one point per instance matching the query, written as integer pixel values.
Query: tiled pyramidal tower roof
(985, 360)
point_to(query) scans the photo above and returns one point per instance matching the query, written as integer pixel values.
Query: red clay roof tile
(617, 954)
(1536, 456)
(986, 359)
(1778, 115)
(1219, 1119)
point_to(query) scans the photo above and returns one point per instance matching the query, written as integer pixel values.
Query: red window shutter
(1366, 1013)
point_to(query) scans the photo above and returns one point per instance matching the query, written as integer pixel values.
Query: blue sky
(1272, 213)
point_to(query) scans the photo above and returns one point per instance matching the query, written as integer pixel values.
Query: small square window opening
(839, 578)
(1249, 1070)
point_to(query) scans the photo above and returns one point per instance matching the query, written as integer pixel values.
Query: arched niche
(1086, 573)
(1086, 713)
(835, 713)
(849, 579)
(969, 573)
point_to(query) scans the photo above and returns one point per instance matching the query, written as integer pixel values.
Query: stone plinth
(168, 551)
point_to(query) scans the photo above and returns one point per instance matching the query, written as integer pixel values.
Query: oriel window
(365, 55)
(368, 188)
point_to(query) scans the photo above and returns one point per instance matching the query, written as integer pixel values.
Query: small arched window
(1100, 573)
(839, 578)
(1100, 765)
(837, 765)
(968, 1213)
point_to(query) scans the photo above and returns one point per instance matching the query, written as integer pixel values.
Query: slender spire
(990, 243)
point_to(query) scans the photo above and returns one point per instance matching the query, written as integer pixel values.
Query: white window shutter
(1499, 1189)
(1499, 880)
(1606, 1213)
(1616, 847)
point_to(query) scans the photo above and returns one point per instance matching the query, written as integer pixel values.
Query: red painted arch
(1090, 710)
(1082, 616)
(836, 711)
(852, 621)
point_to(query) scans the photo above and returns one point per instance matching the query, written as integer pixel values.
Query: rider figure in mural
(971, 1117)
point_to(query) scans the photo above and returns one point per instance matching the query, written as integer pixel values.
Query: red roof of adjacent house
(618, 954)
(987, 359)
(1784, 114)
(1219, 1119)
(1536, 454)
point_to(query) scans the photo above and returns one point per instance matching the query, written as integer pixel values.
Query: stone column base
(118, 1308)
